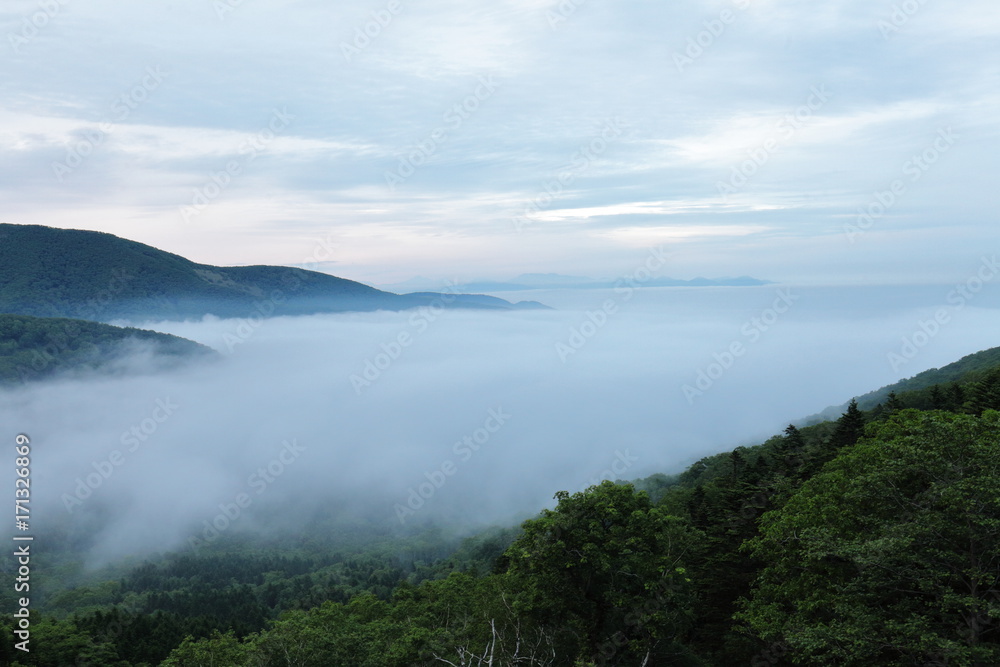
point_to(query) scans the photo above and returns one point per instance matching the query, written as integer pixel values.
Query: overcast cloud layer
(744, 134)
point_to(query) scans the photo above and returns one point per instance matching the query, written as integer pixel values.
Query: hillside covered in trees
(872, 539)
(33, 348)
(49, 272)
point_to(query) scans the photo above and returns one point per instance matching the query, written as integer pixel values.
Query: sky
(844, 142)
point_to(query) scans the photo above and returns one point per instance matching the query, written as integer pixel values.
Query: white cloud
(643, 237)
(683, 132)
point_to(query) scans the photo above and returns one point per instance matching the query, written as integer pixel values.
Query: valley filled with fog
(460, 417)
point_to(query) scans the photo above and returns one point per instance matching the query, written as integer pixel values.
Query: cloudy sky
(383, 139)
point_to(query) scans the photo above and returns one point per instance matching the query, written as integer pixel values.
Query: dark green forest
(33, 348)
(49, 272)
(871, 539)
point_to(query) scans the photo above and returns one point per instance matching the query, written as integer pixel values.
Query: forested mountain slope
(49, 272)
(33, 348)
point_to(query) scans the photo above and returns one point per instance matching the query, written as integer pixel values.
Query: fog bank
(464, 416)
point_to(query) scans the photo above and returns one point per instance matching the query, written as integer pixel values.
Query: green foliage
(51, 272)
(606, 570)
(218, 650)
(55, 643)
(48, 272)
(33, 348)
(889, 555)
(628, 591)
(984, 394)
(919, 388)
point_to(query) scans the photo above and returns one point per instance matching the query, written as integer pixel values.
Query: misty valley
(500, 333)
(270, 466)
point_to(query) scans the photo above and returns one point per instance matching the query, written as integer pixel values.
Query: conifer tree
(850, 427)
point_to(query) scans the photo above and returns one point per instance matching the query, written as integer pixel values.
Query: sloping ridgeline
(33, 348)
(930, 389)
(50, 272)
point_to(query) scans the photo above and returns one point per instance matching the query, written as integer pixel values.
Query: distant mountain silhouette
(49, 272)
(531, 281)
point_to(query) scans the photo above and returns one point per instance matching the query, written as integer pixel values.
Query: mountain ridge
(539, 281)
(52, 272)
(965, 370)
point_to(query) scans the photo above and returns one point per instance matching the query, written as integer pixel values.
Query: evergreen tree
(793, 439)
(956, 397)
(791, 449)
(737, 461)
(937, 398)
(985, 394)
(850, 427)
(696, 507)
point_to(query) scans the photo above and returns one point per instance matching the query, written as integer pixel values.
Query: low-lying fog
(466, 415)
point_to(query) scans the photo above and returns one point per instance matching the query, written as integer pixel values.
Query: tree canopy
(890, 555)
